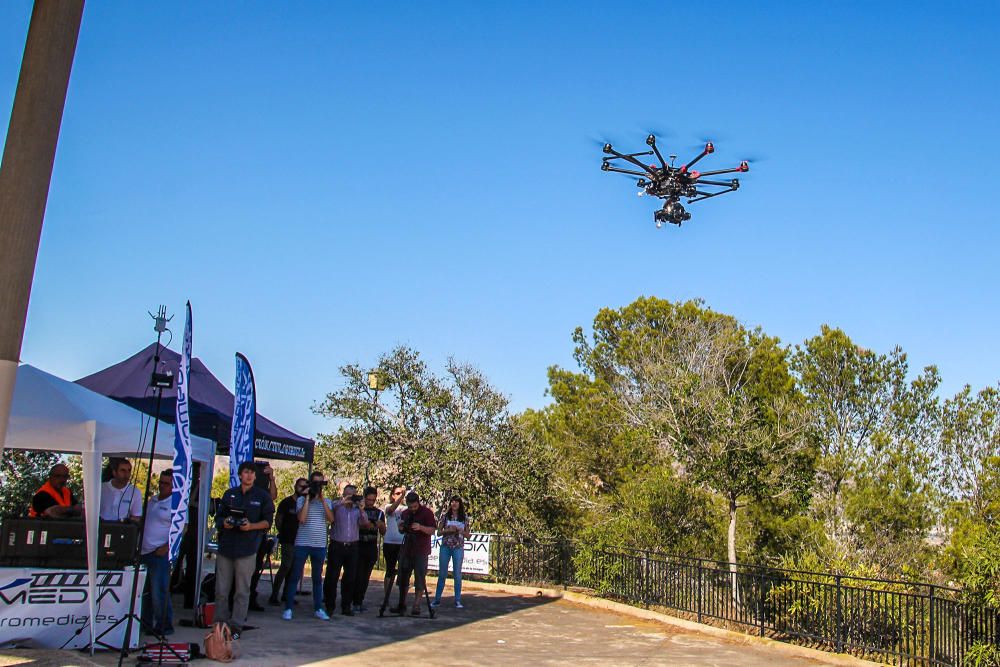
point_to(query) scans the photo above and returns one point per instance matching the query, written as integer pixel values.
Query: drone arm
(630, 157)
(625, 155)
(708, 195)
(608, 167)
(734, 170)
(658, 156)
(690, 164)
(723, 184)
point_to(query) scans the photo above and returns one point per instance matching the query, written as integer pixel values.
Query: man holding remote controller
(243, 518)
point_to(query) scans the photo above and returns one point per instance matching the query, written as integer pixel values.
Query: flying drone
(670, 182)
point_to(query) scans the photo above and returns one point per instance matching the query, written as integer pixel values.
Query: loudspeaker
(63, 543)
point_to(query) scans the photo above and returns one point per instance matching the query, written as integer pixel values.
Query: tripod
(402, 590)
(388, 584)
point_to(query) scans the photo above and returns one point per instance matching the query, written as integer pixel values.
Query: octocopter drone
(672, 183)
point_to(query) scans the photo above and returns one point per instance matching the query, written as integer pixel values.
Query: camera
(315, 486)
(263, 480)
(672, 212)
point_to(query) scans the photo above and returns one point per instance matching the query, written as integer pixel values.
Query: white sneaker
(286, 615)
(322, 615)
(458, 605)
(435, 604)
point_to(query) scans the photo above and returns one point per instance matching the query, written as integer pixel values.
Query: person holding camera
(392, 539)
(243, 518)
(454, 529)
(417, 526)
(286, 520)
(315, 513)
(367, 547)
(343, 551)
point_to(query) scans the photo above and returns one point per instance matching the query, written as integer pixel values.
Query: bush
(655, 511)
(983, 655)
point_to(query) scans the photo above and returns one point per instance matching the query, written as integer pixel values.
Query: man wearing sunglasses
(286, 520)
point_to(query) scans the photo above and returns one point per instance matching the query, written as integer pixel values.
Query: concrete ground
(494, 628)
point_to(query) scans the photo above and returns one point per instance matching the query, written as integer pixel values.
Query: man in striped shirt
(315, 513)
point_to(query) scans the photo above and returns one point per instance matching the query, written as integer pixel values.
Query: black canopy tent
(210, 404)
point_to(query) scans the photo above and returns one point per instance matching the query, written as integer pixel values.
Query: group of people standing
(121, 501)
(341, 530)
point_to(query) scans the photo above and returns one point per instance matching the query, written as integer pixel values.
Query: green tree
(876, 433)
(21, 473)
(595, 451)
(970, 437)
(444, 434)
(656, 511)
(714, 395)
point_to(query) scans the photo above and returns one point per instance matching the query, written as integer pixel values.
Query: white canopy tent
(52, 414)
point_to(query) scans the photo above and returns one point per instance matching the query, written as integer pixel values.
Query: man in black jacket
(243, 519)
(286, 520)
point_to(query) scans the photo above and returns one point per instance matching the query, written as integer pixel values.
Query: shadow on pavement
(307, 639)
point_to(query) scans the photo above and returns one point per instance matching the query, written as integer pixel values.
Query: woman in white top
(454, 529)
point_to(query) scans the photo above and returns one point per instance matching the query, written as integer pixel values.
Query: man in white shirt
(120, 500)
(157, 612)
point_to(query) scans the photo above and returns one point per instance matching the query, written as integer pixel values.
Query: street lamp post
(376, 383)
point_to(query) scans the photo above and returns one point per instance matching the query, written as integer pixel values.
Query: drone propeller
(754, 158)
(657, 131)
(601, 139)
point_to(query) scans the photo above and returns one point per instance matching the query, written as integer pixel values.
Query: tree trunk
(731, 544)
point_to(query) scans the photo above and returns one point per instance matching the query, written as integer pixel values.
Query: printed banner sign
(42, 608)
(181, 472)
(244, 419)
(265, 446)
(476, 559)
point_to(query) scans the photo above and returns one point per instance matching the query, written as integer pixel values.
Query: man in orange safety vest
(54, 500)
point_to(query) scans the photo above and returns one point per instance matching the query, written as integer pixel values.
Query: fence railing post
(760, 603)
(564, 561)
(930, 623)
(646, 588)
(699, 590)
(840, 619)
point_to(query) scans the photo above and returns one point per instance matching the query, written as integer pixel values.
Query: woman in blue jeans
(454, 529)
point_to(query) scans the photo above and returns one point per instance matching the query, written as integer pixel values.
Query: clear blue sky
(326, 180)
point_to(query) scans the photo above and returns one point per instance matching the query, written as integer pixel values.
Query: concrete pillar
(26, 170)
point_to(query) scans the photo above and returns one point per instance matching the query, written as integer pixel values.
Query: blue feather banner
(244, 419)
(182, 447)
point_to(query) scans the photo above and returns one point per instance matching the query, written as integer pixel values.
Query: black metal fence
(906, 623)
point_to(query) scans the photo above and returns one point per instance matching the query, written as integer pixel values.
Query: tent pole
(91, 462)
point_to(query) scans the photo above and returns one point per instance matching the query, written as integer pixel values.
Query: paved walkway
(494, 629)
